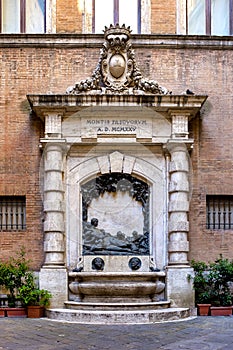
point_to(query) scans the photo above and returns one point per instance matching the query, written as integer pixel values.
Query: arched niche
(127, 169)
(115, 215)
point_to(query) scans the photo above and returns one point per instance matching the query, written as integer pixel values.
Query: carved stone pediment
(117, 70)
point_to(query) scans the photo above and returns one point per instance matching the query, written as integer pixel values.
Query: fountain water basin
(110, 287)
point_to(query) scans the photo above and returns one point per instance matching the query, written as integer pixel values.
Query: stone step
(118, 317)
(116, 306)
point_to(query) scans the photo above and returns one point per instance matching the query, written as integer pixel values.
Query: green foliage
(12, 275)
(20, 282)
(200, 282)
(211, 282)
(30, 294)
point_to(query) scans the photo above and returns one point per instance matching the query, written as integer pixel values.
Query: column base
(180, 287)
(55, 280)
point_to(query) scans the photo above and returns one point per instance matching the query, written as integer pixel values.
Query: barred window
(219, 211)
(12, 213)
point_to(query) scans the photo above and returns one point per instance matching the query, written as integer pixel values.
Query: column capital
(174, 145)
(54, 144)
(180, 112)
(180, 119)
(53, 121)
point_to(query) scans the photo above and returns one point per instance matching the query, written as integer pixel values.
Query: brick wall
(163, 17)
(29, 69)
(69, 16)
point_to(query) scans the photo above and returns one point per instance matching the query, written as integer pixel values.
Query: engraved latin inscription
(102, 126)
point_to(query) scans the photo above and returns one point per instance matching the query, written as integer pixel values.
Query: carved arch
(150, 172)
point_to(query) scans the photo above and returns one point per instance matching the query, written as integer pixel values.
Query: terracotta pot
(203, 309)
(16, 312)
(2, 312)
(221, 310)
(35, 311)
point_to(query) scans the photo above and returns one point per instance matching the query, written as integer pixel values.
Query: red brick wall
(27, 71)
(20, 154)
(51, 68)
(68, 16)
(163, 17)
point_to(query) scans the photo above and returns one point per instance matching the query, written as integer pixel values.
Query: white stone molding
(181, 17)
(51, 16)
(86, 16)
(178, 228)
(145, 16)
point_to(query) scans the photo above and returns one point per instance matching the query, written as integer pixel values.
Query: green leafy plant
(12, 275)
(201, 282)
(31, 295)
(20, 282)
(220, 274)
(211, 282)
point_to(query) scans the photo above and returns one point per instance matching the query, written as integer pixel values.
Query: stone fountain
(116, 192)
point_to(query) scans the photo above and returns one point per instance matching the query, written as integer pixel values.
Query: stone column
(54, 245)
(179, 285)
(53, 275)
(178, 226)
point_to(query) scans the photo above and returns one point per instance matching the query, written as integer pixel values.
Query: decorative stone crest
(117, 70)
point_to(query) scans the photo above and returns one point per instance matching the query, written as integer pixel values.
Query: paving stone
(205, 333)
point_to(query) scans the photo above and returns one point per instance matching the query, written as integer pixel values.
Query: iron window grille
(12, 213)
(219, 212)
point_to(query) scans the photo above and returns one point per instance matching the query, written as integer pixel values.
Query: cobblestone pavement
(201, 333)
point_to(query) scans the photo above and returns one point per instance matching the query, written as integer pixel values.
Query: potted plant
(12, 275)
(220, 275)
(201, 287)
(211, 285)
(33, 298)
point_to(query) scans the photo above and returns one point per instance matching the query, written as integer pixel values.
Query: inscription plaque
(141, 128)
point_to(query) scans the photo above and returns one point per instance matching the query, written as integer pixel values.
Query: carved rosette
(117, 70)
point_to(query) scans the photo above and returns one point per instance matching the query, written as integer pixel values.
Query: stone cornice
(70, 104)
(95, 41)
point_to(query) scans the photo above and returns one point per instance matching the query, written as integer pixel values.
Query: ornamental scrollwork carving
(117, 70)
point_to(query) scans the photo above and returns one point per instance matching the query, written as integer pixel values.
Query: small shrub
(211, 282)
(12, 275)
(16, 277)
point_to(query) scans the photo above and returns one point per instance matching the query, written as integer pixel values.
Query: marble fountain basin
(116, 286)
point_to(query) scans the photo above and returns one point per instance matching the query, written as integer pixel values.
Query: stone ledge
(118, 317)
(117, 306)
(71, 40)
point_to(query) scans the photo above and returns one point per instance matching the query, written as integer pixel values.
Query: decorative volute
(117, 70)
(117, 82)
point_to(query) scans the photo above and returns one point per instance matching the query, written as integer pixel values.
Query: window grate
(219, 212)
(12, 213)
